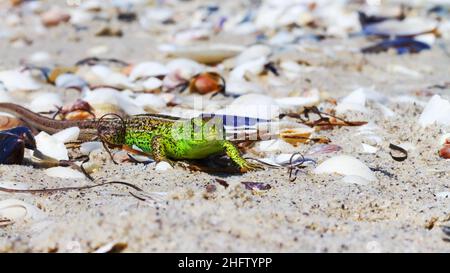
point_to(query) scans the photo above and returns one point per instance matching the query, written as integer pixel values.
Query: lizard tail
(45, 124)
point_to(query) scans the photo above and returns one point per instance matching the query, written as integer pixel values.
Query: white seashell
(110, 247)
(252, 53)
(163, 166)
(429, 38)
(98, 50)
(242, 87)
(355, 101)
(80, 17)
(437, 111)
(64, 172)
(184, 68)
(68, 80)
(45, 102)
(346, 165)
(13, 185)
(51, 146)
(409, 26)
(67, 135)
(369, 149)
(208, 54)
(101, 96)
(355, 179)
(109, 77)
(114, 97)
(252, 105)
(339, 21)
(16, 210)
(267, 15)
(274, 145)
(152, 84)
(290, 103)
(150, 101)
(443, 194)
(87, 147)
(40, 57)
(254, 67)
(148, 69)
(18, 81)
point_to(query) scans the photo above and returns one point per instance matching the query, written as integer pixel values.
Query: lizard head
(111, 130)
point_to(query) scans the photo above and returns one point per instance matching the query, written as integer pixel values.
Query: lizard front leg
(159, 150)
(236, 157)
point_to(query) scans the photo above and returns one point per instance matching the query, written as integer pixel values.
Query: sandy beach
(403, 209)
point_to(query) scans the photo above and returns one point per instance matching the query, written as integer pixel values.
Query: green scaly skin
(167, 138)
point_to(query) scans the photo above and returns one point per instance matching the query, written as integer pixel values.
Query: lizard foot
(248, 166)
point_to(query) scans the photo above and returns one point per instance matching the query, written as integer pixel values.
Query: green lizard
(165, 138)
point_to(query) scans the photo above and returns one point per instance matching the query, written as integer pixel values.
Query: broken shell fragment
(369, 149)
(437, 111)
(355, 101)
(252, 53)
(13, 185)
(254, 67)
(345, 165)
(51, 146)
(64, 172)
(67, 135)
(16, 210)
